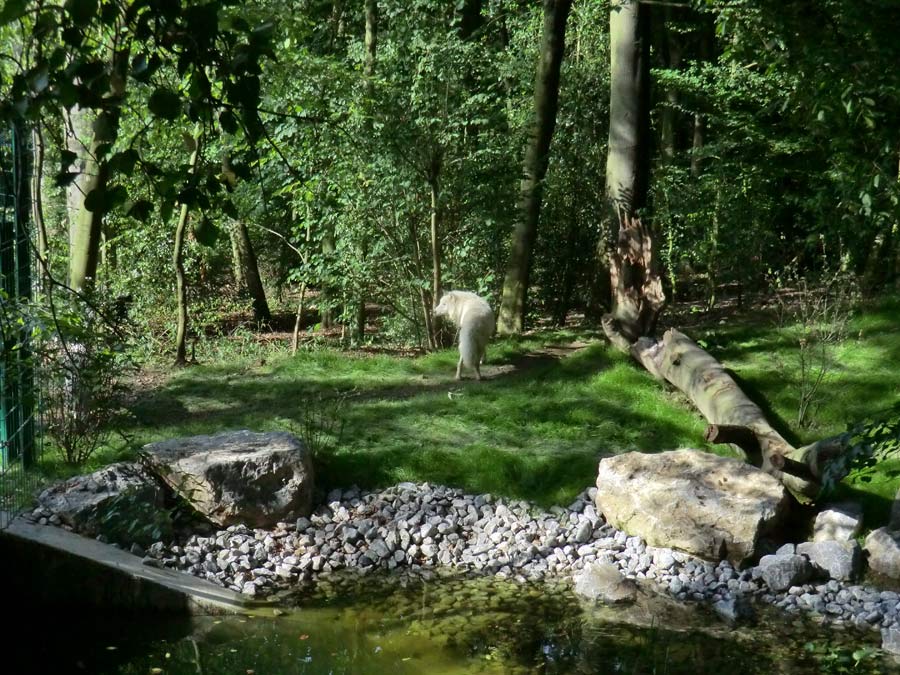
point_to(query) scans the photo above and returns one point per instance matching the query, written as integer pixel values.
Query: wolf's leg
(477, 372)
(459, 368)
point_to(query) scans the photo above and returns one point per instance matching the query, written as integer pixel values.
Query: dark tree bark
(537, 155)
(37, 204)
(670, 48)
(637, 293)
(250, 273)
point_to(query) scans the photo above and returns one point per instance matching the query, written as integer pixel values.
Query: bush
(83, 357)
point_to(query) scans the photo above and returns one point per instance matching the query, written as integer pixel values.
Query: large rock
(83, 502)
(236, 477)
(883, 547)
(713, 507)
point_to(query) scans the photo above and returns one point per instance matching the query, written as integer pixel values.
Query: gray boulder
(710, 506)
(604, 583)
(82, 502)
(780, 572)
(883, 548)
(840, 559)
(890, 640)
(839, 522)
(258, 479)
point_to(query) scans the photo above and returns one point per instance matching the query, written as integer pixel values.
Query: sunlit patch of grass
(533, 429)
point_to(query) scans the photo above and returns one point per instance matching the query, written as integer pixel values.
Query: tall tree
(178, 262)
(246, 258)
(637, 293)
(89, 138)
(537, 155)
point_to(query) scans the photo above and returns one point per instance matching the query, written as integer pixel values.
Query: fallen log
(733, 417)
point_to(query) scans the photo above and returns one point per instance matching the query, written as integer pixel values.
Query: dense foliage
(774, 131)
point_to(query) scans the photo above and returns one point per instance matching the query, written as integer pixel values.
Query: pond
(445, 625)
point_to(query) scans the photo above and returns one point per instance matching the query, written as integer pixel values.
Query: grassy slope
(535, 430)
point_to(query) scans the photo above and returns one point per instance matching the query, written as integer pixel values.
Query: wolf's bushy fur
(475, 320)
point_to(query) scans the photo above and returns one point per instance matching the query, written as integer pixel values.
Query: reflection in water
(385, 625)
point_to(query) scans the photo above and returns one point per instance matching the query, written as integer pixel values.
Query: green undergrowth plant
(816, 313)
(128, 519)
(869, 466)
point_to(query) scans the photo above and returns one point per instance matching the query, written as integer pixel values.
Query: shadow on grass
(536, 431)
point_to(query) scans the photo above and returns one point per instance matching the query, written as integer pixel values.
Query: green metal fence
(19, 443)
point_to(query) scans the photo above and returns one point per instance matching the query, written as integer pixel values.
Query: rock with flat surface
(840, 559)
(257, 479)
(883, 548)
(604, 583)
(839, 522)
(710, 506)
(82, 501)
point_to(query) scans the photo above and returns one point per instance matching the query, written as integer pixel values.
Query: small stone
(734, 609)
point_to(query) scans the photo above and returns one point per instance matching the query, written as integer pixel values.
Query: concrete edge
(53, 566)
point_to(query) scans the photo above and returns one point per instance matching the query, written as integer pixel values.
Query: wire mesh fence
(20, 441)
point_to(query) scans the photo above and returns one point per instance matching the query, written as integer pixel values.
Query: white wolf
(475, 320)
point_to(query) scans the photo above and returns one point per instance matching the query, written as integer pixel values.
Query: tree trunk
(371, 43)
(733, 417)
(537, 154)
(86, 133)
(37, 206)
(84, 225)
(295, 340)
(178, 260)
(237, 265)
(707, 50)
(671, 56)
(247, 256)
(637, 293)
(438, 334)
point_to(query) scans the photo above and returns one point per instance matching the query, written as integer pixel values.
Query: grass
(534, 429)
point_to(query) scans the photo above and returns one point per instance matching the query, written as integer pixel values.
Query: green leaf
(205, 232)
(228, 121)
(95, 200)
(140, 210)
(165, 103)
(12, 10)
(104, 127)
(64, 178)
(81, 11)
(123, 162)
(165, 210)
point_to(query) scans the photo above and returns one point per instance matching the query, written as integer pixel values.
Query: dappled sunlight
(535, 430)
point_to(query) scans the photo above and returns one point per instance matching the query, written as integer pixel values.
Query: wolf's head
(446, 305)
